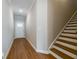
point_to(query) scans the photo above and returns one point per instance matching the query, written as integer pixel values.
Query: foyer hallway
(39, 22)
(21, 49)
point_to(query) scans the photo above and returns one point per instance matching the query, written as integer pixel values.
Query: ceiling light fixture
(20, 10)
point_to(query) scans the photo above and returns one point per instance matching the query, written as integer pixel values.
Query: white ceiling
(21, 4)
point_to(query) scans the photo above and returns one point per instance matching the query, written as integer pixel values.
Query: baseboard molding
(42, 51)
(32, 45)
(20, 37)
(38, 51)
(61, 31)
(5, 56)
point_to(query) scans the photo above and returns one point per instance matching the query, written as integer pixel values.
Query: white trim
(67, 45)
(70, 31)
(73, 22)
(61, 30)
(20, 37)
(5, 56)
(67, 39)
(42, 51)
(38, 51)
(32, 44)
(71, 27)
(68, 35)
(55, 55)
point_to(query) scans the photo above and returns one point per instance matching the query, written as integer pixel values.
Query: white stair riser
(70, 31)
(73, 22)
(68, 39)
(67, 45)
(69, 35)
(72, 25)
(71, 28)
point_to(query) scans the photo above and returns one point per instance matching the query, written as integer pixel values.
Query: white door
(19, 26)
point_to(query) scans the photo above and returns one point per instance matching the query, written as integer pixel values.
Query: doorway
(19, 25)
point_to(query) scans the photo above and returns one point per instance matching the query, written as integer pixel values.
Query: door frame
(24, 26)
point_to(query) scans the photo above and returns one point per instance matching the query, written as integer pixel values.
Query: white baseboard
(61, 31)
(42, 51)
(20, 37)
(38, 51)
(31, 44)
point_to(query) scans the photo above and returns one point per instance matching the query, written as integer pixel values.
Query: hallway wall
(59, 12)
(36, 25)
(41, 25)
(46, 19)
(31, 26)
(7, 27)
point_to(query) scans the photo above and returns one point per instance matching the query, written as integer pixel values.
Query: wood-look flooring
(21, 49)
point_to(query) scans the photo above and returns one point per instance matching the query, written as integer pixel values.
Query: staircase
(65, 47)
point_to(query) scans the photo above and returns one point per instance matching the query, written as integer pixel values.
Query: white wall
(41, 25)
(7, 27)
(59, 12)
(46, 19)
(36, 25)
(31, 26)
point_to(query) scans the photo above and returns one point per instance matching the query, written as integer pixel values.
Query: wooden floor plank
(21, 49)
